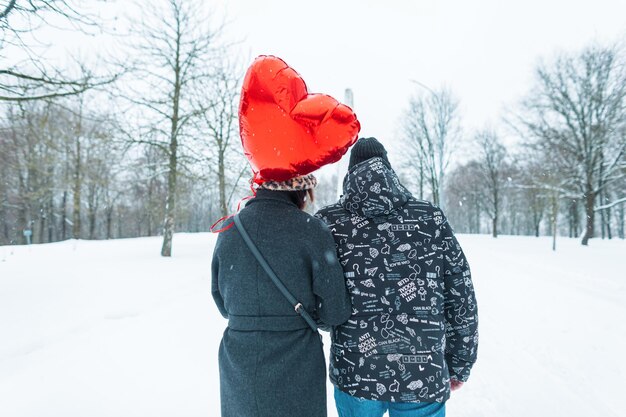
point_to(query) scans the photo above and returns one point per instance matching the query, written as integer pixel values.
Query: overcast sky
(483, 50)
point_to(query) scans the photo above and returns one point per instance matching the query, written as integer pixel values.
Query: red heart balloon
(285, 131)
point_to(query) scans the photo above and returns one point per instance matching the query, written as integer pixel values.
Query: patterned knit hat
(367, 148)
(305, 182)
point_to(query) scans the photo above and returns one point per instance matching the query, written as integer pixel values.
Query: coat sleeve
(333, 302)
(215, 290)
(460, 310)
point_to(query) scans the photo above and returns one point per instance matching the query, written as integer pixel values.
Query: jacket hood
(371, 189)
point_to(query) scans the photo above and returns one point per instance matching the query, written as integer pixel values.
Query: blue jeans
(349, 406)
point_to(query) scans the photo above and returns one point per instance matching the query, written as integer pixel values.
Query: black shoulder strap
(268, 269)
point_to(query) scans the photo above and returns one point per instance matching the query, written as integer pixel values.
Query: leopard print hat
(304, 182)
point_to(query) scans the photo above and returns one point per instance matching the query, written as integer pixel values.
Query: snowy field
(109, 328)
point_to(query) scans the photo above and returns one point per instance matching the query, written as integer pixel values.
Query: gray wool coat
(271, 363)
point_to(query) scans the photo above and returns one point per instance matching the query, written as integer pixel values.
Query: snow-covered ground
(109, 328)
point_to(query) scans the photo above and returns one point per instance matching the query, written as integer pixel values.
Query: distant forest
(150, 146)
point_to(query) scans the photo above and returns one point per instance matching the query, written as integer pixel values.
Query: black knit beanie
(367, 148)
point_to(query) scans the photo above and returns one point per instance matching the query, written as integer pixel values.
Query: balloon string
(223, 219)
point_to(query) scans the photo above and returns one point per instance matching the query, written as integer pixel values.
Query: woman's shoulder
(307, 225)
(309, 222)
(285, 219)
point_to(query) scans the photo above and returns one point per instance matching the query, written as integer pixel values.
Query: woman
(271, 361)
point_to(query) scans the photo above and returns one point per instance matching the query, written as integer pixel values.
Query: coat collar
(270, 195)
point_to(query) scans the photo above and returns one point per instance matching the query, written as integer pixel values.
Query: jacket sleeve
(333, 302)
(215, 291)
(460, 310)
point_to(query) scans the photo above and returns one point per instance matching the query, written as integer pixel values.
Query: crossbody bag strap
(270, 272)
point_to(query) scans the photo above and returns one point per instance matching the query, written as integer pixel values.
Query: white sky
(484, 50)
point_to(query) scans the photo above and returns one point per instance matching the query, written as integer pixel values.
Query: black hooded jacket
(414, 316)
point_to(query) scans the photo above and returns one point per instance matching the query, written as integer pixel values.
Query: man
(412, 336)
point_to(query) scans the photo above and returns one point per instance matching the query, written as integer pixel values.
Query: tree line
(147, 148)
(148, 144)
(568, 174)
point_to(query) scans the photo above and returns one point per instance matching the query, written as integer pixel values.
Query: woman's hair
(302, 197)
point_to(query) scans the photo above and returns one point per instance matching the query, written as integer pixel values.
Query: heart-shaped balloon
(285, 131)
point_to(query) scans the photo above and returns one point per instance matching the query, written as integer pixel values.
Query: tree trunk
(5, 232)
(576, 219)
(64, 216)
(590, 199)
(24, 223)
(77, 188)
(51, 220)
(555, 214)
(496, 209)
(477, 213)
(92, 223)
(4, 222)
(170, 207)
(537, 216)
(602, 217)
(109, 221)
(150, 208)
(607, 219)
(92, 210)
(620, 220)
(222, 183)
(119, 223)
(441, 192)
(570, 222)
(42, 224)
(421, 180)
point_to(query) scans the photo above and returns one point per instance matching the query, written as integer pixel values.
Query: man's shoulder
(425, 210)
(423, 205)
(332, 213)
(330, 208)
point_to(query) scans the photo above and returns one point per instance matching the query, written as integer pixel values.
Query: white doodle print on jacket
(414, 321)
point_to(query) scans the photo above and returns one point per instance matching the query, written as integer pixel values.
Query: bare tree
(77, 174)
(4, 189)
(20, 16)
(492, 165)
(102, 163)
(576, 115)
(220, 122)
(85, 134)
(536, 205)
(432, 127)
(114, 197)
(32, 78)
(619, 206)
(464, 197)
(543, 179)
(176, 48)
(28, 158)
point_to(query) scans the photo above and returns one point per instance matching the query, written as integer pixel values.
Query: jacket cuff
(459, 370)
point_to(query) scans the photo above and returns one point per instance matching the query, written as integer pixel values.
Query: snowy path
(110, 329)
